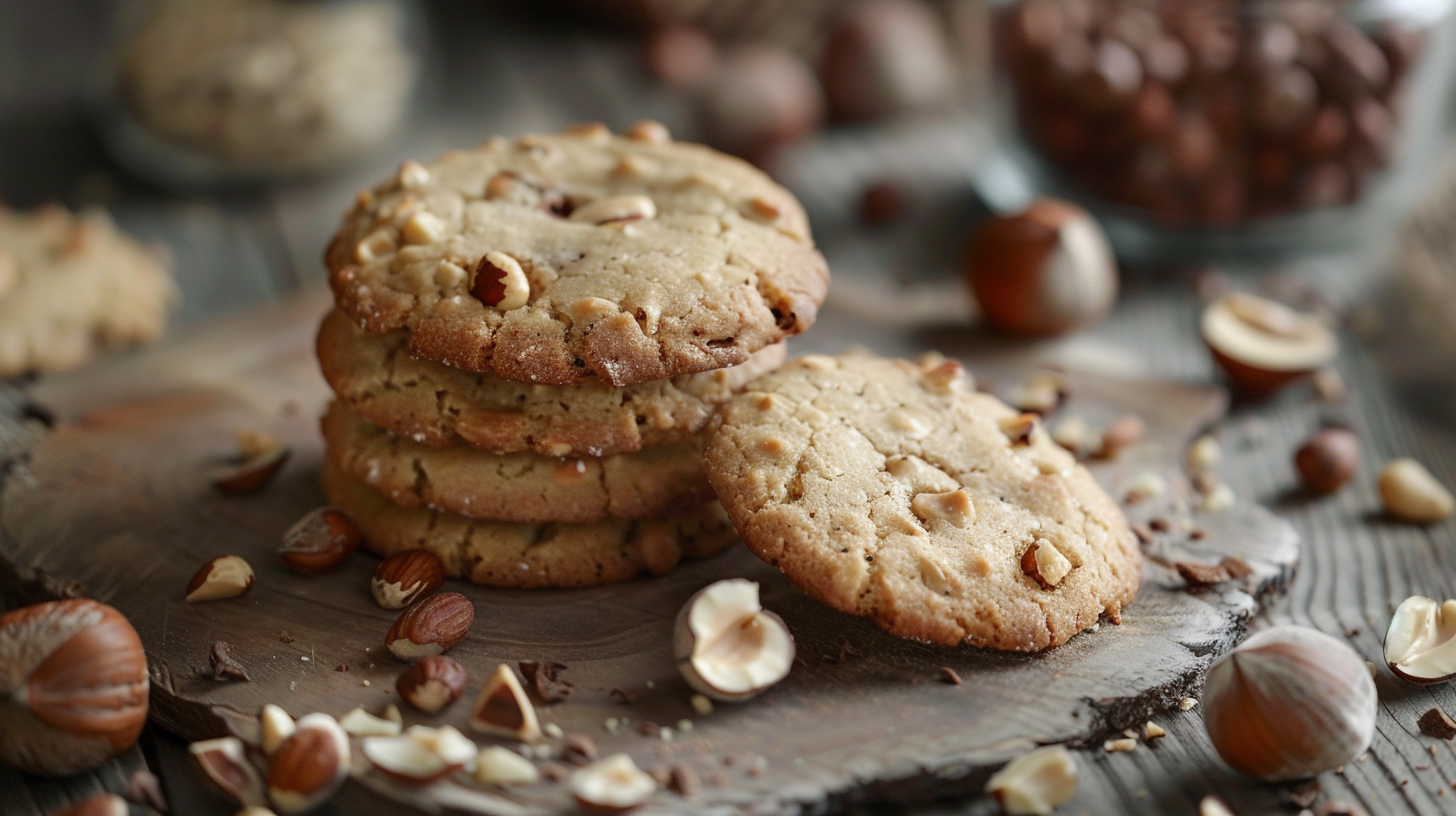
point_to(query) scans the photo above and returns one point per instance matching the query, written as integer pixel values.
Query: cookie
(520, 487)
(530, 556)
(563, 259)
(73, 286)
(437, 405)
(891, 490)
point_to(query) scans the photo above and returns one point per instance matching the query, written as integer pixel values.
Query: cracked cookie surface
(519, 487)
(567, 258)
(530, 556)
(892, 490)
(436, 405)
(72, 286)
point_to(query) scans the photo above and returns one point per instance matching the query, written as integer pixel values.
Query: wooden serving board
(113, 501)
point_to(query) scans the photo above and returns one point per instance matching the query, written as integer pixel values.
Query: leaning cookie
(72, 287)
(530, 556)
(891, 490)
(434, 404)
(520, 487)
(581, 256)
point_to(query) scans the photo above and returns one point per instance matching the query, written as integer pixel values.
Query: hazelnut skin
(1328, 460)
(73, 686)
(1046, 271)
(1289, 703)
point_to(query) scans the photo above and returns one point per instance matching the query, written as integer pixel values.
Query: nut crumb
(1119, 745)
(949, 675)
(1436, 723)
(580, 749)
(545, 677)
(623, 696)
(342, 667)
(1187, 704)
(1152, 731)
(683, 781)
(223, 665)
(702, 704)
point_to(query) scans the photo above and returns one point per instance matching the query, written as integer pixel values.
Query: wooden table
(247, 248)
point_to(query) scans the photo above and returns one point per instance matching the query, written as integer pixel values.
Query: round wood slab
(114, 502)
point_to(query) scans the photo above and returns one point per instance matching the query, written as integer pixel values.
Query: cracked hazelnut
(1035, 784)
(501, 766)
(1262, 345)
(432, 683)
(405, 577)
(320, 541)
(225, 762)
(503, 708)
(226, 576)
(1420, 644)
(614, 784)
(1328, 460)
(73, 686)
(500, 282)
(727, 646)
(431, 627)
(420, 755)
(309, 766)
(1411, 493)
(1046, 271)
(1289, 703)
(254, 472)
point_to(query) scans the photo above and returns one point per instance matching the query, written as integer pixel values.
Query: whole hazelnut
(1289, 703)
(760, 98)
(73, 686)
(682, 56)
(884, 58)
(1328, 459)
(1044, 271)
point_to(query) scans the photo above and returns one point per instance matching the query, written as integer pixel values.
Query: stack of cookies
(531, 335)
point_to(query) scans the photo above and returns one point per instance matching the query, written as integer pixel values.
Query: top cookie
(71, 286)
(889, 489)
(560, 259)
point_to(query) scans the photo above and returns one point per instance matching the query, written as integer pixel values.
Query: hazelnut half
(1048, 270)
(420, 755)
(253, 473)
(503, 708)
(73, 686)
(320, 541)
(1420, 644)
(1035, 784)
(432, 683)
(1289, 703)
(226, 576)
(309, 766)
(225, 762)
(727, 646)
(614, 783)
(1262, 345)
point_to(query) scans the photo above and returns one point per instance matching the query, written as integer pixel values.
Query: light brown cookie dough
(437, 405)
(530, 556)
(891, 490)
(73, 286)
(517, 486)
(561, 259)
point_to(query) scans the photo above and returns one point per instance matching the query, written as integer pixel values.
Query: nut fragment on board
(320, 541)
(501, 766)
(1437, 723)
(405, 577)
(420, 755)
(1420, 643)
(503, 709)
(225, 762)
(432, 683)
(1412, 494)
(360, 723)
(1035, 784)
(253, 473)
(614, 784)
(727, 645)
(226, 576)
